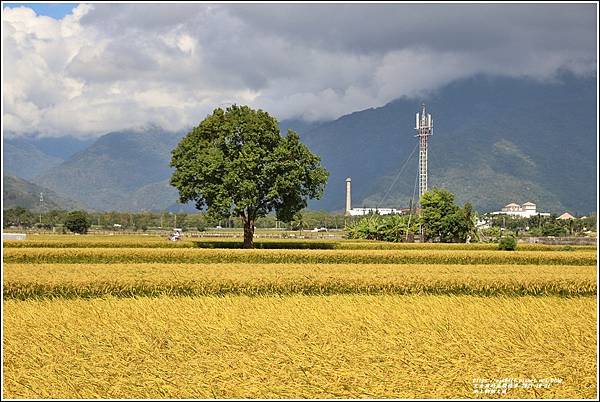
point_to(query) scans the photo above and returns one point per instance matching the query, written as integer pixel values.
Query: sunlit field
(141, 317)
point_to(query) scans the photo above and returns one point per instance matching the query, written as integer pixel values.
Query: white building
(566, 216)
(527, 210)
(366, 210)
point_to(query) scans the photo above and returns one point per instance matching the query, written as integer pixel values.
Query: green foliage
(78, 222)
(554, 229)
(235, 163)
(491, 234)
(316, 219)
(18, 216)
(443, 220)
(538, 225)
(394, 228)
(507, 243)
(273, 244)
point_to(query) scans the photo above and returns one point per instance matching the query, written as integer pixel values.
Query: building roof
(529, 203)
(566, 215)
(512, 204)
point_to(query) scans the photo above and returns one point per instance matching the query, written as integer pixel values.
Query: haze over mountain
(21, 193)
(31, 155)
(25, 159)
(120, 171)
(496, 140)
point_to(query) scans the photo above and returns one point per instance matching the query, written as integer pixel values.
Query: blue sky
(54, 10)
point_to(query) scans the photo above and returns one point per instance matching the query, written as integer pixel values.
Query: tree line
(439, 220)
(538, 225)
(20, 217)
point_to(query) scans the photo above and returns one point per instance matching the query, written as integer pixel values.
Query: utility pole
(410, 207)
(41, 206)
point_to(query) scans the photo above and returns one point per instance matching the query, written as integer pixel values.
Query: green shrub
(311, 245)
(507, 243)
(392, 228)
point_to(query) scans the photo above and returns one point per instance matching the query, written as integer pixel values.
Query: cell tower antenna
(424, 127)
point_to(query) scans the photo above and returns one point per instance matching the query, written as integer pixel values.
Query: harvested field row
(271, 347)
(29, 281)
(198, 256)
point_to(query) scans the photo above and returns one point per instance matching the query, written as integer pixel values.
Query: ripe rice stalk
(31, 281)
(344, 346)
(149, 255)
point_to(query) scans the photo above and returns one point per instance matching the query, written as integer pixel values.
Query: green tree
(78, 222)
(236, 163)
(18, 216)
(442, 219)
(437, 206)
(465, 220)
(55, 217)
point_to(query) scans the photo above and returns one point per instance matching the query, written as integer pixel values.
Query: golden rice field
(31, 281)
(141, 317)
(85, 255)
(342, 346)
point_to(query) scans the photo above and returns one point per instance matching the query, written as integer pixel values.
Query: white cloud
(115, 66)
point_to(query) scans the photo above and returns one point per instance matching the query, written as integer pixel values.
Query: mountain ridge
(495, 140)
(22, 193)
(474, 144)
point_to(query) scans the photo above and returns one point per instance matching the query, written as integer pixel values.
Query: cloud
(115, 66)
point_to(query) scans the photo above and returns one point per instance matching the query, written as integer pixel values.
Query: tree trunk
(248, 233)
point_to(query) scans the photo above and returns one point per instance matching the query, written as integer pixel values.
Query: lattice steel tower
(424, 127)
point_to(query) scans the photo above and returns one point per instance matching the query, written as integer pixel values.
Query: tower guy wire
(397, 177)
(412, 203)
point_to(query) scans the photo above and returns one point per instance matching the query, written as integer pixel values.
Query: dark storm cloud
(316, 61)
(444, 27)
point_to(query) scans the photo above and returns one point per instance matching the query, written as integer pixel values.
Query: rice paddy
(141, 317)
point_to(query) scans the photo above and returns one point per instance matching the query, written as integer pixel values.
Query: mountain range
(495, 141)
(21, 193)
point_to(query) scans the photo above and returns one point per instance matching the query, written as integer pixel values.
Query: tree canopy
(78, 222)
(236, 163)
(444, 220)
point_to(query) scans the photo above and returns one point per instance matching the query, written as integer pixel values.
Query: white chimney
(348, 195)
